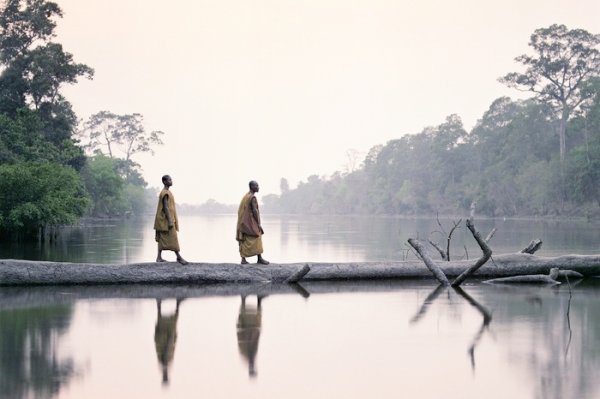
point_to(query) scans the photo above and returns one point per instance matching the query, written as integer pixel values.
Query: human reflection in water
(248, 332)
(165, 336)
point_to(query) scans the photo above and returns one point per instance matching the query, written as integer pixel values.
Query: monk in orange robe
(166, 223)
(249, 230)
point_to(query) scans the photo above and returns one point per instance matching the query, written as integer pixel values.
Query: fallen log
(569, 274)
(24, 272)
(529, 278)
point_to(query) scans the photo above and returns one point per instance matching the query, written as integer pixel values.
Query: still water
(321, 340)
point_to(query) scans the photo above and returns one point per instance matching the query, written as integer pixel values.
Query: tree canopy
(563, 61)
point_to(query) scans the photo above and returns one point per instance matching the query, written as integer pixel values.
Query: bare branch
(440, 250)
(487, 253)
(437, 272)
(456, 224)
(490, 235)
(533, 246)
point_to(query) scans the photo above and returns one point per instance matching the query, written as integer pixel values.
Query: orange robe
(165, 236)
(249, 232)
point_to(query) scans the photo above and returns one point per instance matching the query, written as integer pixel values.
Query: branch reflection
(426, 303)
(485, 313)
(487, 319)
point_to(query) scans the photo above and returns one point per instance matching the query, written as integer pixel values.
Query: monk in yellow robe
(166, 223)
(249, 230)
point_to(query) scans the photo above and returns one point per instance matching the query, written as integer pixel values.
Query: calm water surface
(323, 340)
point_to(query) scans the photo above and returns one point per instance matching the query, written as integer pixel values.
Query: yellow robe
(166, 238)
(248, 232)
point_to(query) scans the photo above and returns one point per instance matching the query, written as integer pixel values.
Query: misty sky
(266, 89)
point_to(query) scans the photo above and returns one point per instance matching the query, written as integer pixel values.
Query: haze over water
(346, 339)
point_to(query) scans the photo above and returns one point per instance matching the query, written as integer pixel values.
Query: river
(379, 339)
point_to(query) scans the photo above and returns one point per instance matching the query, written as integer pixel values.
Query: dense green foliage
(562, 62)
(116, 189)
(35, 195)
(507, 165)
(47, 180)
(112, 177)
(535, 157)
(39, 181)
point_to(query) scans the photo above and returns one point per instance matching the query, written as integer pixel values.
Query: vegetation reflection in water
(291, 238)
(349, 339)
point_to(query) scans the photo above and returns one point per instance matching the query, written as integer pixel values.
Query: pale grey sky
(266, 89)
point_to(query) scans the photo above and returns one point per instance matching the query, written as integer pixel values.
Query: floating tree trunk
(529, 279)
(22, 272)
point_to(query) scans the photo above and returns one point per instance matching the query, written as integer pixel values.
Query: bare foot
(244, 261)
(262, 261)
(160, 260)
(182, 261)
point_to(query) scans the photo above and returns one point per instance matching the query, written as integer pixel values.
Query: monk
(249, 230)
(166, 223)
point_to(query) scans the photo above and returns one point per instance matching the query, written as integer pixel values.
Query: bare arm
(165, 206)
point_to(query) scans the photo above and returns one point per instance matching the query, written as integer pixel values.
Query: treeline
(539, 156)
(209, 207)
(46, 178)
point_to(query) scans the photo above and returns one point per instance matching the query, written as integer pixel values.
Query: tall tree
(33, 68)
(40, 187)
(106, 131)
(284, 186)
(563, 60)
(134, 137)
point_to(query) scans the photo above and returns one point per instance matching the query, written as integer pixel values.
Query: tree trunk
(23, 272)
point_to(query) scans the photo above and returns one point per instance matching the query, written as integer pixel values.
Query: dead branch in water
(445, 254)
(533, 246)
(487, 253)
(429, 263)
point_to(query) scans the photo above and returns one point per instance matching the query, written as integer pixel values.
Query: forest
(54, 170)
(534, 157)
